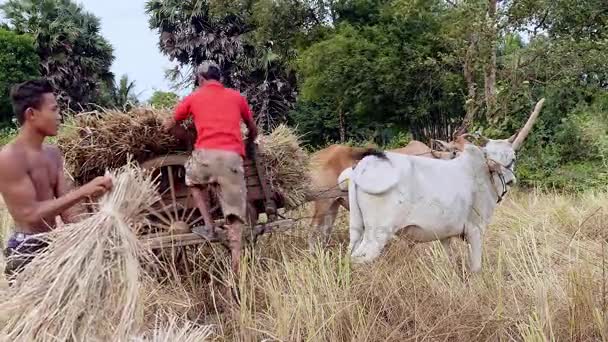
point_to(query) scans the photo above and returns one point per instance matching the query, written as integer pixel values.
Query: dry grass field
(543, 278)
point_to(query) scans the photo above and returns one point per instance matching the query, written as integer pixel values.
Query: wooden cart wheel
(176, 212)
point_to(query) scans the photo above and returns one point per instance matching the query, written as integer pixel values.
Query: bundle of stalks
(93, 142)
(286, 164)
(85, 285)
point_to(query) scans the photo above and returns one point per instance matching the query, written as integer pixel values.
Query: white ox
(427, 199)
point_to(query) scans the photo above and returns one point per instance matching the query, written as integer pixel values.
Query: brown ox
(328, 163)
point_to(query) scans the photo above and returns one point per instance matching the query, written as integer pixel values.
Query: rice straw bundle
(85, 285)
(286, 164)
(96, 141)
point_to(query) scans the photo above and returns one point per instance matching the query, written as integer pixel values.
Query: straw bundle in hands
(85, 285)
(286, 164)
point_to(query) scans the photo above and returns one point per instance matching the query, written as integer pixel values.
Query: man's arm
(248, 119)
(182, 112)
(63, 187)
(20, 195)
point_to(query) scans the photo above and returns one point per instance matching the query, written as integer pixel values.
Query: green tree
(18, 63)
(124, 96)
(398, 73)
(163, 99)
(253, 42)
(73, 54)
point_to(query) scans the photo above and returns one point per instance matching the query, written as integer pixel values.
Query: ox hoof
(475, 270)
(361, 258)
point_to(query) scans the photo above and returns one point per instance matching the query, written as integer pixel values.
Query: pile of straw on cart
(96, 141)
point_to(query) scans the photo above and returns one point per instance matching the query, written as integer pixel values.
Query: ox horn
(518, 138)
(479, 139)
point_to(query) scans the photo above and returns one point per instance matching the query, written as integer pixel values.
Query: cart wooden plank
(158, 241)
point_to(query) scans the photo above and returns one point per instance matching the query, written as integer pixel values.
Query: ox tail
(358, 153)
(375, 176)
(355, 222)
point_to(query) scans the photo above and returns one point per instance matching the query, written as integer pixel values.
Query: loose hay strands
(286, 164)
(85, 285)
(170, 329)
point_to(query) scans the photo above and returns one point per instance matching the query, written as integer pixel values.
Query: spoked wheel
(176, 212)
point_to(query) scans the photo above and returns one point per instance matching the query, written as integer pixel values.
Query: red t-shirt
(217, 113)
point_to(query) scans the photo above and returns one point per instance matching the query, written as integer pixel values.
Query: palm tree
(73, 54)
(191, 31)
(124, 97)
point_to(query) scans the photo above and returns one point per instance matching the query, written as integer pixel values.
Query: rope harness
(500, 175)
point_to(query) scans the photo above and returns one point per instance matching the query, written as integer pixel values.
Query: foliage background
(354, 71)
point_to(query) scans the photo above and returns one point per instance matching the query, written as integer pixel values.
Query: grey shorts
(224, 168)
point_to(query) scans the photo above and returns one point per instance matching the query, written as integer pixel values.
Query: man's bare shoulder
(53, 151)
(12, 160)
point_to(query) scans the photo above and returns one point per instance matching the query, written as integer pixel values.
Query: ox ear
(494, 166)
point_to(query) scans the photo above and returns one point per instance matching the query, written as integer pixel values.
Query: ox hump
(375, 175)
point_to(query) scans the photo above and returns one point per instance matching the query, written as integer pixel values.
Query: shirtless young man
(32, 182)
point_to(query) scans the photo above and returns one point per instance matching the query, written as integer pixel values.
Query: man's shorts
(224, 168)
(20, 251)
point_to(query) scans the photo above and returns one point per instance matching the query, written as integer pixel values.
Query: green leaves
(397, 73)
(73, 54)
(163, 100)
(18, 63)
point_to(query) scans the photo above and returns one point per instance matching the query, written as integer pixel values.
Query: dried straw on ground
(85, 286)
(93, 142)
(171, 328)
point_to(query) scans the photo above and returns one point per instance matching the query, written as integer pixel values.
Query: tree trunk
(469, 76)
(342, 123)
(490, 68)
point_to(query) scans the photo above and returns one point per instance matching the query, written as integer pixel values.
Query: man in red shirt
(219, 150)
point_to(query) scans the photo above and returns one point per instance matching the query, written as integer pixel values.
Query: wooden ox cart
(176, 213)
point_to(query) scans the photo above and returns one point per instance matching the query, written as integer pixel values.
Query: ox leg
(373, 243)
(355, 231)
(323, 220)
(473, 236)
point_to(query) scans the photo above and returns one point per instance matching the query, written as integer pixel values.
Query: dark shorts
(21, 250)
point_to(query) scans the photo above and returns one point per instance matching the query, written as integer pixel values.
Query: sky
(125, 24)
